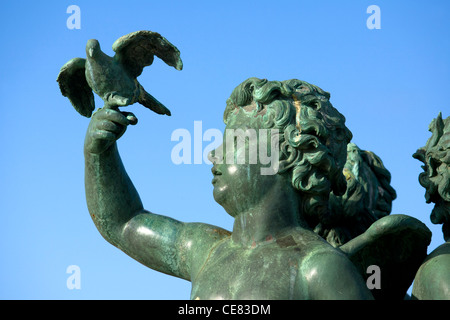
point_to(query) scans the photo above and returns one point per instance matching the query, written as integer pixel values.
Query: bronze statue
(308, 229)
(271, 253)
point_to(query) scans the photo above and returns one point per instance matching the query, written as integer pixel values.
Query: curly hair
(313, 139)
(435, 156)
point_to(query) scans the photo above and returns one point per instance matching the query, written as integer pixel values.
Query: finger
(104, 135)
(110, 126)
(131, 117)
(113, 115)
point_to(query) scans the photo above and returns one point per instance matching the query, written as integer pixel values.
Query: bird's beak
(91, 52)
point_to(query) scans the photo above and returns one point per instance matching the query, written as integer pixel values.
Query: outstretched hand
(106, 126)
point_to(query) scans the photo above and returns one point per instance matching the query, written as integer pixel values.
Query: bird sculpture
(114, 79)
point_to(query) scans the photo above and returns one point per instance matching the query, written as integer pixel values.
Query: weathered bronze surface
(309, 228)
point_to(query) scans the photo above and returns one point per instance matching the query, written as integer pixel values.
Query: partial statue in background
(362, 227)
(433, 278)
(368, 197)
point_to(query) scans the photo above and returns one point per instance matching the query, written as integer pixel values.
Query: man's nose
(216, 155)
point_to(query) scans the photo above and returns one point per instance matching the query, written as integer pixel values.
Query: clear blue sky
(389, 83)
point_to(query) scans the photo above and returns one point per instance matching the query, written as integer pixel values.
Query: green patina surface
(308, 230)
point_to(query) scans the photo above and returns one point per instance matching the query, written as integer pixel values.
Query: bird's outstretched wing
(397, 244)
(136, 50)
(73, 85)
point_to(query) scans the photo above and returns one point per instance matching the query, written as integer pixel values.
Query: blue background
(389, 83)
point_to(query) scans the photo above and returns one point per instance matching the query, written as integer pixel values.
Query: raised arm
(157, 241)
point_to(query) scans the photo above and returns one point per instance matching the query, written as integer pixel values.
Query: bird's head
(92, 48)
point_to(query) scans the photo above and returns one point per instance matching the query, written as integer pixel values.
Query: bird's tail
(147, 100)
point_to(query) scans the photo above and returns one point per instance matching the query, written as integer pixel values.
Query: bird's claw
(112, 99)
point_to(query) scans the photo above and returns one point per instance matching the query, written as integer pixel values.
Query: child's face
(239, 180)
